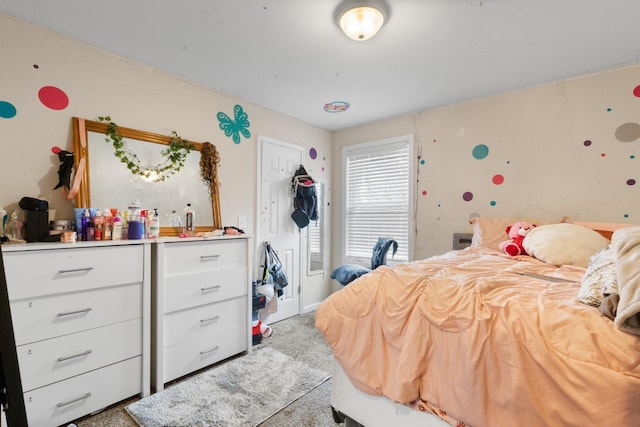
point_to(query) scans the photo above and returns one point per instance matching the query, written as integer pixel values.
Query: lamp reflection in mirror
(150, 175)
(359, 19)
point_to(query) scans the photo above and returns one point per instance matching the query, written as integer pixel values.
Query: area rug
(242, 392)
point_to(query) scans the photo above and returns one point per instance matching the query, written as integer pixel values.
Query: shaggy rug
(242, 392)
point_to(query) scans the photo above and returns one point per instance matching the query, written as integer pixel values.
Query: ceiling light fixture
(361, 19)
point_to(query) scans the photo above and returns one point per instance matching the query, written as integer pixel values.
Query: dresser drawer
(204, 287)
(186, 357)
(68, 400)
(184, 257)
(36, 319)
(198, 323)
(49, 361)
(35, 273)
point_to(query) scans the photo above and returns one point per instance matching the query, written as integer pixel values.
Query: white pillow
(490, 232)
(561, 244)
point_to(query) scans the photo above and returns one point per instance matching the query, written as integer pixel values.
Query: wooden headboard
(604, 228)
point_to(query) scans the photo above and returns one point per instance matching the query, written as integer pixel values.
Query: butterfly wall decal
(235, 127)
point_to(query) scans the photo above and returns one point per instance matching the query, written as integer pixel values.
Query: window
(377, 198)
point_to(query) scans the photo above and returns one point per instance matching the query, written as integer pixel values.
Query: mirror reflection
(108, 183)
(316, 236)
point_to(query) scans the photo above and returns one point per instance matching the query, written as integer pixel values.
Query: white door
(278, 163)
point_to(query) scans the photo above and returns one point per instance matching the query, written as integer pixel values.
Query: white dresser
(81, 318)
(200, 304)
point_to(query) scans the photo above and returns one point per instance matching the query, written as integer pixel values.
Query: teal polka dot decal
(7, 110)
(480, 151)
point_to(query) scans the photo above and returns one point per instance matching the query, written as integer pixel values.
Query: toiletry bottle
(125, 225)
(107, 225)
(143, 223)
(116, 233)
(153, 224)
(189, 219)
(98, 224)
(91, 229)
(86, 220)
(174, 219)
(148, 219)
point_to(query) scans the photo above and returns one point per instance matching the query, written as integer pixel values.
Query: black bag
(31, 204)
(274, 268)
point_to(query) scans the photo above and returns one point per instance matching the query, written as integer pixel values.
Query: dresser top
(19, 247)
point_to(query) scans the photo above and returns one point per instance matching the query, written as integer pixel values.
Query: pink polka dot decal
(424, 192)
(497, 179)
(636, 91)
(53, 98)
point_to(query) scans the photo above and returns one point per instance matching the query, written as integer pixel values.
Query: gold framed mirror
(103, 181)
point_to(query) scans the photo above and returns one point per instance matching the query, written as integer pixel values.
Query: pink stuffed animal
(517, 233)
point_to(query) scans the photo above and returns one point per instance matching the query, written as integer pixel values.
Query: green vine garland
(176, 154)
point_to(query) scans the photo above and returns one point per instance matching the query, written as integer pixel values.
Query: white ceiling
(290, 56)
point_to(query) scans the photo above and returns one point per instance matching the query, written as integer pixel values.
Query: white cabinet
(81, 320)
(200, 304)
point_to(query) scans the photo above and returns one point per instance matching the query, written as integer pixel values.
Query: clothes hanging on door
(305, 198)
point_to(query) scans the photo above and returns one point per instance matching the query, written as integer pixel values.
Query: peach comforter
(490, 346)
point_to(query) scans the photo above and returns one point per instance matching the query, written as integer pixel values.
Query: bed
(475, 337)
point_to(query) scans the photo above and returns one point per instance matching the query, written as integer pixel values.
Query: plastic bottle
(174, 219)
(86, 220)
(125, 225)
(116, 233)
(98, 225)
(91, 229)
(153, 221)
(189, 218)
(107, 225)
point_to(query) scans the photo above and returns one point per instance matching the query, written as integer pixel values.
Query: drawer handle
(65, 358)
(205, 352)
(61, 404)
(71, 313)
(210, 319)
(211, 288)
(75, 270)
(209, 257)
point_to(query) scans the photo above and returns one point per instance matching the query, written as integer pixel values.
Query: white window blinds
(377, 202)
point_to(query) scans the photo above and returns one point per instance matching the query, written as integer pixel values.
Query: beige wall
(536, 140)
(136, 96)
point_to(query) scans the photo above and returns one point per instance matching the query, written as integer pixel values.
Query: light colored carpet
(296, 337)
(242, 392)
